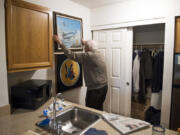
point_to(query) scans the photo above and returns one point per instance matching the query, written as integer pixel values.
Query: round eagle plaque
(69, 72)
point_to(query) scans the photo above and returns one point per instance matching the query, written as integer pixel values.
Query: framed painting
(68, 73)
(69, 30)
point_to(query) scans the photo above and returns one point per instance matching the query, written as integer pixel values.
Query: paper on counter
(124, 124)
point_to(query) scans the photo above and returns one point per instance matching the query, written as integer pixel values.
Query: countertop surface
(22, 120)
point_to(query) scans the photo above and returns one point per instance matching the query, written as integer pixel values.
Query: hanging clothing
(136, 68)
(157, 72)
(146, 63)
(149, 92)
(134, 55)
(156, 100)
(153, 116)
(145, 74)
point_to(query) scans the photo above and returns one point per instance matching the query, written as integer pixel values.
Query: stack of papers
(124, 124)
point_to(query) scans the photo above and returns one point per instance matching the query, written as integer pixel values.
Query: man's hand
(56, 39)
(83, 42)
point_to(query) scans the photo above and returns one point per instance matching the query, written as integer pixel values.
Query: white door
(116, 45)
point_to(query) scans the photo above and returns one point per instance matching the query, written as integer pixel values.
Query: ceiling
(96, 3)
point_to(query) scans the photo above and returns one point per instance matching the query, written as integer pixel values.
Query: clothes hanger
(153, 52)
(161, 48)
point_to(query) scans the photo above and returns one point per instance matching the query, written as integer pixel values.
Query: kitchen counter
(23, 120)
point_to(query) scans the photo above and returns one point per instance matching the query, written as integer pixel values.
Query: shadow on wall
(45, 74)
(15, 78)
(76, 95)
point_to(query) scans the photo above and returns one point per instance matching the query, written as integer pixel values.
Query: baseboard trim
(5, 110)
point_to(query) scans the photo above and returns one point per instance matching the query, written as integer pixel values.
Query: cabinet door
(177, 35)
(29, 36)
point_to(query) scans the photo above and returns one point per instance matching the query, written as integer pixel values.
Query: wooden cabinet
(28, 36)
(177, 35)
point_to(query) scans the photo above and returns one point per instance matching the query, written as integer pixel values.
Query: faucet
(58, 95)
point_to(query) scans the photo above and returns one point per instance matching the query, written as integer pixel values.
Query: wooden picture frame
(69, 29)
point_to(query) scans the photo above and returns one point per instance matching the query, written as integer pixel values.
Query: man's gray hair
(93, 45)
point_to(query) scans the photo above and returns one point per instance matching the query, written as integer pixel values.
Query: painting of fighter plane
(69, 30)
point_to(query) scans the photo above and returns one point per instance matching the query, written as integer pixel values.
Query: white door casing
(116, 45)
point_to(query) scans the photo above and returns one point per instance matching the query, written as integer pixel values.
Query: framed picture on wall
(68, 73)
(69, 30)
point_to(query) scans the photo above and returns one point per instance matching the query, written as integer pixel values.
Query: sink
(75, 121)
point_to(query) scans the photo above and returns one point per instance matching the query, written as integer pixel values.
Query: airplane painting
(69, 30)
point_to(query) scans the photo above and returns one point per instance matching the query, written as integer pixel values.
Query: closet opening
(147, 75)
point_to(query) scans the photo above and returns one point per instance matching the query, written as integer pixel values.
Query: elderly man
(95, 73)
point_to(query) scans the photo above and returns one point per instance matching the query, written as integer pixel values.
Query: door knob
(127, 83)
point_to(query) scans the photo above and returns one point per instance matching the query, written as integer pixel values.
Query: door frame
(168, 55)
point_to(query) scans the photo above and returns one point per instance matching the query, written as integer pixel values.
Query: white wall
(141, 12)
(128, 11)
(4, 100)
(63, 6)
(147, 34)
